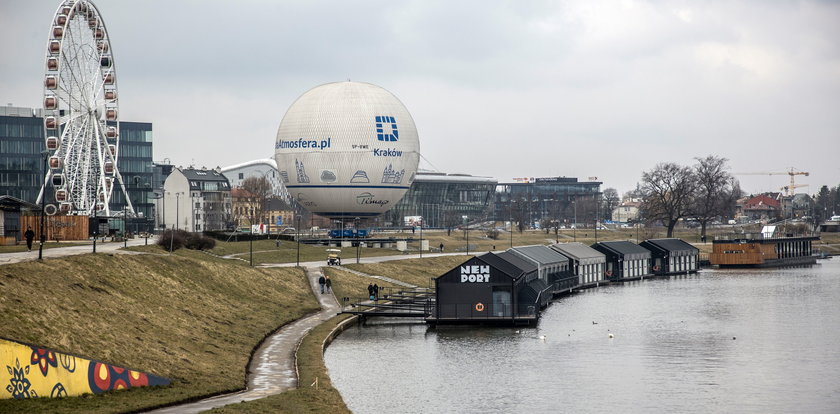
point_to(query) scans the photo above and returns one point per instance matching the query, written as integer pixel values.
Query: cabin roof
(670, 245)
(580, 252)
(544, 255)
(623, 248)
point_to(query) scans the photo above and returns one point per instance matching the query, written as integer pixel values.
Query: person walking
(322, 282)
(328, 284)
(441, 247)
(375, 292)
(370, 291)
(29, 235)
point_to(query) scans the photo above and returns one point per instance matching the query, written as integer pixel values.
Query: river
(753, 341)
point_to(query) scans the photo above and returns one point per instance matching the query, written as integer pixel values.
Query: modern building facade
(535, 201)
(443, 200)
(135, 166)
(22, 143)
(197, 200)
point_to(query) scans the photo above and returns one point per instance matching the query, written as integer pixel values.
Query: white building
(197, 200)
(626, 211)
(257, 168)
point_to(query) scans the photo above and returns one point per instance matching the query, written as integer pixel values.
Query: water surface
(762, 341)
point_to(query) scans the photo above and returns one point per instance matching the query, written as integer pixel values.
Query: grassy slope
(415, 271)
(188, 317)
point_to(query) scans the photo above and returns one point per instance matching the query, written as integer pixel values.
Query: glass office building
(22, 163)
(21, 142)
(556, 199)
(443, 200)
(135, 166)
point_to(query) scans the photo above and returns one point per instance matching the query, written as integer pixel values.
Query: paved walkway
(272, 368)
(383, 278)
(101, 247)
(376, 259)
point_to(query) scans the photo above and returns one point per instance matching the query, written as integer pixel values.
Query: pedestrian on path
(370, 291)
(375, 292)
(441, 247)
(322, 282)
(328, 284)
(29, 235)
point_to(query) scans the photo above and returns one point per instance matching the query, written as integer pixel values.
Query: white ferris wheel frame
(81, 113)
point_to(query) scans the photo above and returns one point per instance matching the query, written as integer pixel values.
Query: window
(241, 175)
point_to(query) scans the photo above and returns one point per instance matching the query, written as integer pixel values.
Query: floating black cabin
(671, 256)
(553, 267)
(491, 288)
(625, 260)
(586, 263)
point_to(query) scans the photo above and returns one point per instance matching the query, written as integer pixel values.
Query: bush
(198, 241)
(173, 239)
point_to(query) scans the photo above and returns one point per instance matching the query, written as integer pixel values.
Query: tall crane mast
(792, 172)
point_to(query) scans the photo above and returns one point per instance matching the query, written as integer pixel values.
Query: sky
(504, 89)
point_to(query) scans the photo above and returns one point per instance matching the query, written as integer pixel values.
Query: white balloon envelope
(347, 149)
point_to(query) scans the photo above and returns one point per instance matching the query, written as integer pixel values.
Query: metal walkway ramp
(394, 302)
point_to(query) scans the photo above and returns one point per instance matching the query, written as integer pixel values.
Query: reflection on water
(721, 341)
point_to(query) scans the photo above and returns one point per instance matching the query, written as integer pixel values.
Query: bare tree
(712, 193)
(667, 193)
(451, 219)
(260, 191)
(731, 198)
(610, 201)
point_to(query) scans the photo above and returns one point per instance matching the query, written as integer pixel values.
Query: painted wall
(27, 371)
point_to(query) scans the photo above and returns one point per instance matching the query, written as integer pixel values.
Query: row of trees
(827, 203)
(704, 192)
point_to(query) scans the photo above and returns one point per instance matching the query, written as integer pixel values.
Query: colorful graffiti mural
(27, 371)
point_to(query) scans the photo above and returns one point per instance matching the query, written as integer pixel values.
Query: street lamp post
(358, 242)
(175, 226)
(596, 217)
(421, 237)
(43, 237)
(297, 237)
(574, 225)
(177, 209)
(510, 216)
(467, 229)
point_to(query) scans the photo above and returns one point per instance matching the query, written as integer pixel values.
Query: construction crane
(789, 189)
(792, 172)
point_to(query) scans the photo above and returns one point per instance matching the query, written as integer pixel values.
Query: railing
(463, 311)
(394, 301)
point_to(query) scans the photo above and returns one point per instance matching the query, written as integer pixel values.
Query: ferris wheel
(81, 112)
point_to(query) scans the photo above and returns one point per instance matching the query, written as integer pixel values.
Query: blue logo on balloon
(386, 121)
